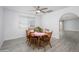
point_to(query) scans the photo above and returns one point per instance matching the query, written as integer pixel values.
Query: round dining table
(39, 35)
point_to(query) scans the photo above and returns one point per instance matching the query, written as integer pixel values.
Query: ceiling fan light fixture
(38, 11)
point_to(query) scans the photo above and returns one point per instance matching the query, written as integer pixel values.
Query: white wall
(51, 20)
(12, 29)
(1, 26)
(38, 21)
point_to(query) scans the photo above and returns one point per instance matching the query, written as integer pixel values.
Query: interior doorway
(69, 26)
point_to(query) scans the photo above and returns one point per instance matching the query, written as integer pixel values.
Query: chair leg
(44, 49)
(26, 40)
(38, 48)
(33, 48)
(28, 43)
(50, 44)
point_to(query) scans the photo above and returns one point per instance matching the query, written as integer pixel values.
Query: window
(71, 25)
(26, 21)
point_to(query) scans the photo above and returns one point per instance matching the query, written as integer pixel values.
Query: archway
(68, 22)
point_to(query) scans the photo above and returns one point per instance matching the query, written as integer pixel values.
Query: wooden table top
(39, 33)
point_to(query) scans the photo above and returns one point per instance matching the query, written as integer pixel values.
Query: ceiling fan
(38, 10)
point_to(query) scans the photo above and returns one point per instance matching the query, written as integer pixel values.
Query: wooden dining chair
(33, 40)
(49, 38)
(27, 36)
(45, 40)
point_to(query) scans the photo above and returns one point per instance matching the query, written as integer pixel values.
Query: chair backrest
(49, 34)
(47, 37)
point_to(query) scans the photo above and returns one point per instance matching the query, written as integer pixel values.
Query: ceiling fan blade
(43, 11)
(44, 8)
(49, 11)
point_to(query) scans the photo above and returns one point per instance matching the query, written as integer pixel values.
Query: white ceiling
(27, 9)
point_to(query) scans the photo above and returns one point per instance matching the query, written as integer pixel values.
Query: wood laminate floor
(19, 45)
